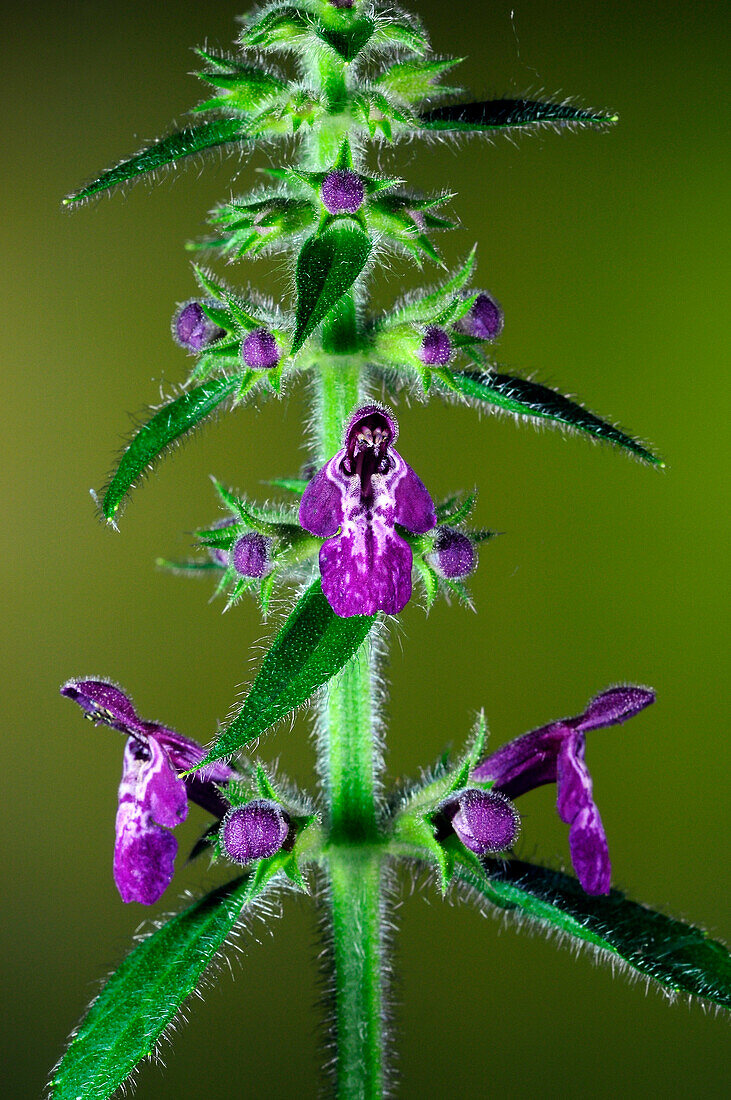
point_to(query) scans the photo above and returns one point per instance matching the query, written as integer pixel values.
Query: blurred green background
(609, 254)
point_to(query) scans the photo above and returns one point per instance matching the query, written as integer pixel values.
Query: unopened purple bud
(254, 831)
(260, 350)
(342, 3)
(192, 329)
(342, 192)
(485, 821)
(436, 347)
(453, 555)
(251, 555)
(485, 319)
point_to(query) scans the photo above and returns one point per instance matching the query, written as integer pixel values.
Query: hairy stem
(357, 944)
(349, 764)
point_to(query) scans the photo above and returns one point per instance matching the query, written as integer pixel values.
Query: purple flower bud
(251, 556)
(260, 350)
(342, 192)
(342, 3)
(485, 821)
(436, 347)
(453, 555)
(192, 329)
(485, 319)
(254, 831)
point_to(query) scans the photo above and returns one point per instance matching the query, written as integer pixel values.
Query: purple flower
(152, 799)
(485, 821)
(342, 192)
(555, 754)
(453, 555)
(353, 502)
(260, 350)
(192, 329)
(251, 556)
(254, 831)
(436, 347)
(485, 319)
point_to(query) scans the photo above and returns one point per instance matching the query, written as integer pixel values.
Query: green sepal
(327, 267)
(681, 958)
(169, 423)
(535, 401)
(507, 114)
(143, 997)
(264, 785)
(446, 777)
(313, 646)
(429, 579)
(414, 80)
(247, 86)
(392, 32)
(348, 41)
(266, 589)
(284, 24)
(430, 307)
(255, 518)
(191, 566)
(295, 485)
(166, 151)
(416, 831)
(455, 510)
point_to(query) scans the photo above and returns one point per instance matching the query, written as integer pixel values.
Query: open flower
(555, 754)
(353, 502)
(152, 799)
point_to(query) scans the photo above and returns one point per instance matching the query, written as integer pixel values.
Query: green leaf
(414, 80)
(676, 955)
(169, 424)
(507, 114)
(168, 150)
(327, 266)
(144, 995)
(531, 399)
(313, 646)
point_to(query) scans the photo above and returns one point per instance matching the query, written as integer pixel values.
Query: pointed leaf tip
(533, 400)
(161, 153)
(509, 114)
(143, 997)
(678, 956)
(314, 645)
(168, 424)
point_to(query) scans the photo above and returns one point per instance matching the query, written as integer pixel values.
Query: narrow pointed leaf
(531, 399)
(508, 114)
(145, 994)
(167, 425)
(676, 955)
(327, 267)
(168, 150)
(313, 646)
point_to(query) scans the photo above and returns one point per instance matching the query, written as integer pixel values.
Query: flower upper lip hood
(152, 798)
(555, 754)
(354, 502)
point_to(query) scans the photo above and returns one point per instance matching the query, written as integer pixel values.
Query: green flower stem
(349, 765)
(357, 945)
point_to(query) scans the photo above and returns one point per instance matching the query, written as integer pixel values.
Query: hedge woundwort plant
(327, 81)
